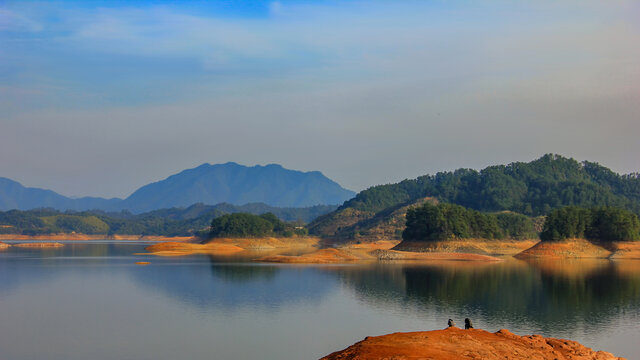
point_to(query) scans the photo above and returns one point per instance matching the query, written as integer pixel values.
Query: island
(579, 232)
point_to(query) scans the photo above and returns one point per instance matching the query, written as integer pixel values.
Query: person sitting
(468, 324)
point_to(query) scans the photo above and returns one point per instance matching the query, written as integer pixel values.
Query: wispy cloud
(360, 83)
(11, 21)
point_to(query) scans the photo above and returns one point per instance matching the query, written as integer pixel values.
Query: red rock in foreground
(455, 343)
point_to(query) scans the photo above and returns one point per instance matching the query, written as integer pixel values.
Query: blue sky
(100, 97)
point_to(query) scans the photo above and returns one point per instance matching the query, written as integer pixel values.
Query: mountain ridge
(230, 182)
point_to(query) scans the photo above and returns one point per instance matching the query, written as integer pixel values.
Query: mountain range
(209, 184)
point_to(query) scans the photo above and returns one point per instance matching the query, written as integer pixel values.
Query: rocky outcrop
(454, 343)
(582, 248)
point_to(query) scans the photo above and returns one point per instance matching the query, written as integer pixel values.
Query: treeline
(533, 188)
(40, 222)
(248, 225)
(448, 221)
(194, 220)
(600, 224)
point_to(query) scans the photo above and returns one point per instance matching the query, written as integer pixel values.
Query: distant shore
(321, 251)
(85, 237)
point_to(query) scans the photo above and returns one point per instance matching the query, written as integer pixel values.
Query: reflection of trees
(33, 265)
(243, 272)
(535, 294)
(235, 285)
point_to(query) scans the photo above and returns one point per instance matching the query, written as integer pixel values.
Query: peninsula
(454, 343)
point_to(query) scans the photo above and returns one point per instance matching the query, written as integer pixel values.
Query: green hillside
(598, 224)
(448, 221)
(533, 189)
(195, 219)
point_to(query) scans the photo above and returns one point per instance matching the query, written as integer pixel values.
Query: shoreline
(308, 250)
(85, 237)
(469, 246)
(582, 249)
(455, 343)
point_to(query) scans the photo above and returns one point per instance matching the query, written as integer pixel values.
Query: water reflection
(542, 295)
(236, 285)
(343, 303)
(21, 266)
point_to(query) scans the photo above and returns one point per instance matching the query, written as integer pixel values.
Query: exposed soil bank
(183, 248)
(624, 249)
(268, 243)
(322, 256)
(454, 343)
(40, 245)
(85, 237)
(408, 255)
(347, 254)
(4, 246)
(468, 246)
(581, 248)
(227, 246)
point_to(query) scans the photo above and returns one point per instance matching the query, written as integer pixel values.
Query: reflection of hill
(236, 285)
(501, 293)
(34, 265)
(244, 273)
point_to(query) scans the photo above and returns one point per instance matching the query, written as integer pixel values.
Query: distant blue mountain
(15, 196)
(209, 184)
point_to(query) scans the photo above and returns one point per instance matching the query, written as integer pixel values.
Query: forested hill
(533, 188)
(189, 221)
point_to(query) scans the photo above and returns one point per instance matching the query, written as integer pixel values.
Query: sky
(101, 97)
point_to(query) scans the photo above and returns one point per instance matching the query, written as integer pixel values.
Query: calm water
(90, 301)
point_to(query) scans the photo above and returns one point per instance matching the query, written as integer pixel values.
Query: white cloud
(366, 93)
(276, 8)
(11, 21)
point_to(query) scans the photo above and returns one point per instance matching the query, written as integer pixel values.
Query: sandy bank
(183, 248)
(624, 249)
(4, 246)
(40, 245)
(85, 237)
(581, 248)
(227, 246)
(322, 256)
(268, 243)
(468, 246)
(455, 343)
(430, 256)
(349, 254)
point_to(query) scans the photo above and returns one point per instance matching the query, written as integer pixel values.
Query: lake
(89, 300)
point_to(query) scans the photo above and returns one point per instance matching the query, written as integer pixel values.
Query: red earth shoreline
(454, 343)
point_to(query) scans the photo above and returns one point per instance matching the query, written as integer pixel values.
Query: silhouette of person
(468, 324)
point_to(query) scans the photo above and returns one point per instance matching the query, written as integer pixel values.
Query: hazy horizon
(101, 97)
